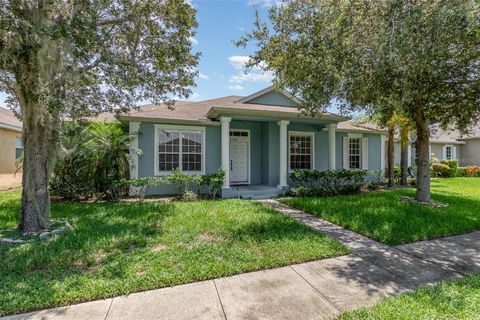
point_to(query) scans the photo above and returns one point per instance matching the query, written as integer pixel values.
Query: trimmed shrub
(473, 171)
(325, 183)
(441, 170)
(453, 164)
(461, 172)
(183, 183)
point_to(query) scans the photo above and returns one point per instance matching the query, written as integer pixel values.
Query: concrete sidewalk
(313, 290)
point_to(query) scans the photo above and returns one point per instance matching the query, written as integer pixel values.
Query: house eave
(10, 127)
(206, 122)
(216, 112)
(447, 142)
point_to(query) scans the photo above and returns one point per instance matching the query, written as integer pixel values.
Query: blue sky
(221, 65)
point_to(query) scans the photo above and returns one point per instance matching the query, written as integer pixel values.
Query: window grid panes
(182, 149)
(448, 151)
(354, 153)
(300, 152)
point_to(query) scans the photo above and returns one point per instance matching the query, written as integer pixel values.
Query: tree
(405, 126)
(64, 58)
(418, 57)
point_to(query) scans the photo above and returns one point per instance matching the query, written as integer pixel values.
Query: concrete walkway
(314, 290)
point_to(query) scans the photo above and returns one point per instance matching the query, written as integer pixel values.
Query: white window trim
(301, 133)
(346, 154)
(360, 151)
(248, 156)
(159, 127)
(451, 152)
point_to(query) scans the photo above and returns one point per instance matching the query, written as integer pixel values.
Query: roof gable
(270, 97)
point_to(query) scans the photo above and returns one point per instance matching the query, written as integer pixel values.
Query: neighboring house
(10, 141)
(449, 144)
(258, 140)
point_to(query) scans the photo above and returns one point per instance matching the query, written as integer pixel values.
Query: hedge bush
(183, 183)
(453, 164)
(311, 182)
(441, 170)
(473, 171)
(461, 172)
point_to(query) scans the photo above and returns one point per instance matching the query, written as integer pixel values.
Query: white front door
(239, 156)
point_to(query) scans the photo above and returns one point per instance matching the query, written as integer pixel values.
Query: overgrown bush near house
(441, 170)
(453, 164)
(461, 172)
(94, 161)
(325, 183)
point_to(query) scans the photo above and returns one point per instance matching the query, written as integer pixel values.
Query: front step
(258, 192)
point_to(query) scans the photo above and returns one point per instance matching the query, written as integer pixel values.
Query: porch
(256, 154)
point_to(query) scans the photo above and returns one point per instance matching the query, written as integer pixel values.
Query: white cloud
(251, 77)
(235, 87)
(263, 3)
(255, 74)
(238, 62)
(194, 41)
(202, 76)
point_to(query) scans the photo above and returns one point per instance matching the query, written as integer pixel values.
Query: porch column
(225, 121)
(283, 173)
(383, 138)
(331, 146)
(133, 128)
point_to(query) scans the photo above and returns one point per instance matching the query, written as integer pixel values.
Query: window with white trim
(18, 148)
(449, 152)
(180, 148)
(301, 151)
(354, 153)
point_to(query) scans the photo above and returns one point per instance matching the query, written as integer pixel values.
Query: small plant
(461, 172)
(182, 182)
(214, 182)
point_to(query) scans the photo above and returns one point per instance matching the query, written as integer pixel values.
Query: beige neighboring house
(449, 144)
(10, 141)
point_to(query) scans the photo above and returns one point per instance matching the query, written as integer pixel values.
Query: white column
(225, 121)
(133, 128)
(331, 146)
(383, 138)
(283, 173)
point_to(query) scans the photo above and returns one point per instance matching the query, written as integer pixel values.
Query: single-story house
(11, 146)
(449, 144)
(257, 139)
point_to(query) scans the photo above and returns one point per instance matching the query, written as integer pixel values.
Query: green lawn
(459, 299)
(382, 216)
(119, 248)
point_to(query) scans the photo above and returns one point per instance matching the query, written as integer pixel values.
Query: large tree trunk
(390, 156)
(423, 156)
(40, 149)
(404, 160)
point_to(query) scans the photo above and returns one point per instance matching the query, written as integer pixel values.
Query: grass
(457, 299)
(384, 217)
(119, 248)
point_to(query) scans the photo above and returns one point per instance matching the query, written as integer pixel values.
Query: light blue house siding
(264, 150)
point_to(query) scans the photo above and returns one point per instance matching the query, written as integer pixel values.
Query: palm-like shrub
(94, 161)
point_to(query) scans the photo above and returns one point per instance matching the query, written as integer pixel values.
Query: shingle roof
(201, 111)
(350, 126)
(9, 120)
